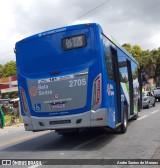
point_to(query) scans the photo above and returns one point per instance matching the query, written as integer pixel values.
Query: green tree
(156, 55)
(149, 60)
(1, 70)
(128, 47)
(135, 51)
(9, 69)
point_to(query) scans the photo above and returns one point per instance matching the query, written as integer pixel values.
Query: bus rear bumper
(90, 118)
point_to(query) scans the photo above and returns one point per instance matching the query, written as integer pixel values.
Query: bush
(12, 119)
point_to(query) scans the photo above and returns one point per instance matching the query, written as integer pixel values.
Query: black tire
(139, 106)
(154, 103)
(138, 110)
(148, 106)
(123, 127)
(135, 117)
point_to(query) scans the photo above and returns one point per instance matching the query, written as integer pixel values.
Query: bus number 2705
(77, 82)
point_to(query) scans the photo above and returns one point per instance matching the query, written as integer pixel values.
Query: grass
(8, 117)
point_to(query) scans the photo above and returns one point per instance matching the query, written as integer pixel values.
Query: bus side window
(108, 58)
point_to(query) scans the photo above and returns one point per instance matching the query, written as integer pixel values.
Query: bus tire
(123, 126)
(139, 106)
(135, 117)
(138, 110)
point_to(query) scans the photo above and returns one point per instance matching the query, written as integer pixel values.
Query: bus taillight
(96, 94)
(24, 102)
(98, 91)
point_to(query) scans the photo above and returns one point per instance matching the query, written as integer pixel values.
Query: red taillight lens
(24, 102)
(96, 91)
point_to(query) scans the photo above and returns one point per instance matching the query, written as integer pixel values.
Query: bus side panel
(112, 108)
(124, 98)
(109, 87)
(99, 112)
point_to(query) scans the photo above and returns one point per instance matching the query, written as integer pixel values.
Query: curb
(15, 125)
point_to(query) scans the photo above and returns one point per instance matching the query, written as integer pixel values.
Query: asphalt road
(142, 141)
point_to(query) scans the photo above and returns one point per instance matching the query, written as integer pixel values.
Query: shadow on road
(95, 139)
(86, 140)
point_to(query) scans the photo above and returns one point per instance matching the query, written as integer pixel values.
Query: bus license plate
(60, 122)
(58, 106)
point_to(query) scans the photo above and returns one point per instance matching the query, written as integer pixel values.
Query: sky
(129, 21)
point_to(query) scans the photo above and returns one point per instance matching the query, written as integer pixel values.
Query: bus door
(117, 83)
(131, 95)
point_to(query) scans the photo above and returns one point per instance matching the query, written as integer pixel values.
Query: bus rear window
(74, 42)
(46, 54)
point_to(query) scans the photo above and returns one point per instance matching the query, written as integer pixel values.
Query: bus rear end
(60, 80)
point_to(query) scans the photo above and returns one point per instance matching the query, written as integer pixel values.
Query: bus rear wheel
(123, 126)
(138, 110)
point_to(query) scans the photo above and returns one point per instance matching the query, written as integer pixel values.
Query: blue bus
(76, 77)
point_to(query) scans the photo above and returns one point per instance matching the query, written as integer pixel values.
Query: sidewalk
(7, 129)
(15, 125)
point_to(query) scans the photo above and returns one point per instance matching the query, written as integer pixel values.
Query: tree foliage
(9, 69)
(149, 60)
(1, 70)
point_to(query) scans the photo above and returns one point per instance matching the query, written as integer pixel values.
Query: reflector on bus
(24, 102)
(96, 93)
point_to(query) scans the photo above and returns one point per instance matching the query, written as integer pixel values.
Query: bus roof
(61, 29)
(78, 26)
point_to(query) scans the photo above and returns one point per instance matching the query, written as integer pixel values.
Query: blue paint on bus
(58, 66)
